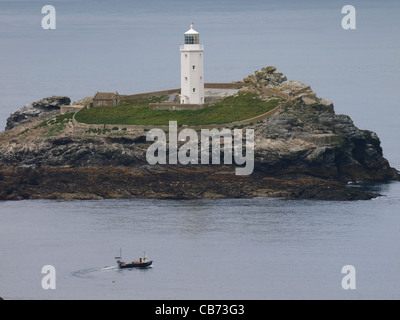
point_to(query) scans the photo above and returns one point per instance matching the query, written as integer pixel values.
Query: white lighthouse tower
(192, 70)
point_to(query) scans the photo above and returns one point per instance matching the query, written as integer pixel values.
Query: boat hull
(135, 265)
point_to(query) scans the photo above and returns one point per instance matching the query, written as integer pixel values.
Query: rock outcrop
(304, 151)
(35, 109)
(265, 77)
(308, 136)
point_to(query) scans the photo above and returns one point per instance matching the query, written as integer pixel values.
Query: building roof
(191, 30)
(105, 95)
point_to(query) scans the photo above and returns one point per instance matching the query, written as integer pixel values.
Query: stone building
(106, 99)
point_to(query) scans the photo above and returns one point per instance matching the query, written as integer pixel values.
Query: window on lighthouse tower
(191, 38)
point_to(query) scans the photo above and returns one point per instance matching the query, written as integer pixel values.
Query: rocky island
(303, 150)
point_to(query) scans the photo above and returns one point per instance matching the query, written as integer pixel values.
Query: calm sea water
(202, 249)
(212, 249)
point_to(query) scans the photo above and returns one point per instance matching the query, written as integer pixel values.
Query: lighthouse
(192, 70)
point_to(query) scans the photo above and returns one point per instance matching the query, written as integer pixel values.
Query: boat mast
(120, 254)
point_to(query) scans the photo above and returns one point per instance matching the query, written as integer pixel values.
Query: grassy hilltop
(244, 105)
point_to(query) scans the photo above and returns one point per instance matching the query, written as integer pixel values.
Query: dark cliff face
(303, 151)
(307, 136)
(35, 109)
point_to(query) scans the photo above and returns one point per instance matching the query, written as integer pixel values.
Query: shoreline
(167, 182)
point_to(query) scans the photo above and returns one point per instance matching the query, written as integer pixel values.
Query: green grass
(54, 126)
(56, 120)
(55, 130)
(243, 106)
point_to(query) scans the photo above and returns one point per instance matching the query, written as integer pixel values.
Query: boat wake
(88, 273)
(386, 198)
(110, 268)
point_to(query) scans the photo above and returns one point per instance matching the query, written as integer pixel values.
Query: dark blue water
(218, 249)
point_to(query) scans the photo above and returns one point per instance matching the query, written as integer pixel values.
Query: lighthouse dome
(191, 30)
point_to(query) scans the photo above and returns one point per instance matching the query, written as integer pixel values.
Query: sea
(241, 249)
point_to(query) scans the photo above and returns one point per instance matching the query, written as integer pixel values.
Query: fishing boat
(143, 262)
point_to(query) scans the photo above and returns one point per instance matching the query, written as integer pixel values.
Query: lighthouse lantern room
(192, 70)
